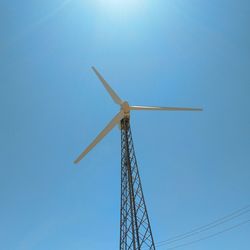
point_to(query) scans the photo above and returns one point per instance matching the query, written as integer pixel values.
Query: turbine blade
(112, 93)
(104, 132)
(163, 108)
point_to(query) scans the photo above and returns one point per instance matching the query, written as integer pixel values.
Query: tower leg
(135, 230)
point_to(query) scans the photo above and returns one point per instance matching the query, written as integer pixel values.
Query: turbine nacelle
(125, 109)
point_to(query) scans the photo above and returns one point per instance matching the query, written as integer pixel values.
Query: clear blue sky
(194, 166)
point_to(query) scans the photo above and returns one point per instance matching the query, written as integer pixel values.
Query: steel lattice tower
(135, 229)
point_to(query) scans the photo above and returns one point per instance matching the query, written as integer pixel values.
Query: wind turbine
(135, 229)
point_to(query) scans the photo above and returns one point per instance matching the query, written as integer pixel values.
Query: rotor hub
(125, 108)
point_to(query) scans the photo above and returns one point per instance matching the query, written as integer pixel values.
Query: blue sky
(194, 166)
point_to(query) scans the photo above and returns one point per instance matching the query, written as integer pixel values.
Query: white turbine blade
(163, 108)
(104, 132)
(112, 93)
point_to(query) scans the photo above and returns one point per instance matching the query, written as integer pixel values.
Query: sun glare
(118, 4)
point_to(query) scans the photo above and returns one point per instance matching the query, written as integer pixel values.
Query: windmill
(135, 229)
